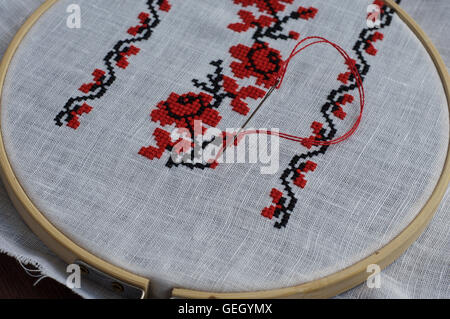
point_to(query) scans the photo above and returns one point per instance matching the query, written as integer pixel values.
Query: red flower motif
(164, 5)
(381, 4)
(250, 21)
(269, 212)
(307, 13)
(343, 77)
(294, 35)
(259, 61)
(240, 94)
(183, 110)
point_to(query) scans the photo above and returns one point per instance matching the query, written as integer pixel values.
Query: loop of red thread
(356, 75)
(282, 73)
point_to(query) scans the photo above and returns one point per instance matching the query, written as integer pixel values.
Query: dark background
(15, 283)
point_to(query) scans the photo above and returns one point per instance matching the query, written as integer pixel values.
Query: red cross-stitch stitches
(249, 21)
(307, 13)
(265, 5)
(164, 5)
(369, 43)
(183, 110)
(258, 61)
(116, 58)
(83, 109)
(123, 61)
(241, 94)
(272, 210)
(344, 77)
(294, 174)
(99, 76)
(317, 130)
(162, 141)
(338, 111)
(143, 18)
(381, 4)
(300, 180)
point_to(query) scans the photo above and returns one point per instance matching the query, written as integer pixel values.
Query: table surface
(15, 283)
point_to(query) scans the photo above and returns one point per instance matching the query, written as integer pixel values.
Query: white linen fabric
(16, 239)
(203, 229)
(423, 271)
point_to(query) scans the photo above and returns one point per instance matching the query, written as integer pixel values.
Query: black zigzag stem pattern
(72, 105)
(216, 79)
(363, 67)
(215, 86)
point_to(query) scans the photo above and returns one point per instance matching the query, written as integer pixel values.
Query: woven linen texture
(202, 228)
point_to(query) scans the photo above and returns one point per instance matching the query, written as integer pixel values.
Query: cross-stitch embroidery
(114, 59)
(258, 61)
(284, 202)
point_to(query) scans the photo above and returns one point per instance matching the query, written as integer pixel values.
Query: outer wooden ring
(325, 287)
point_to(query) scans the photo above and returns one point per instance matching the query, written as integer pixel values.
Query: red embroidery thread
(294, 175)
(117, 57)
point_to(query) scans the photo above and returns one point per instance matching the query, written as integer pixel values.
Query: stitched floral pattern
(117, 58)
(258, 61)
(294, 176)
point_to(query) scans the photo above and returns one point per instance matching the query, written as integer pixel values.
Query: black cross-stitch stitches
(284, 205)
(259, 61)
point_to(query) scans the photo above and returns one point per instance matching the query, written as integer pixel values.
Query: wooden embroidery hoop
(325, 287)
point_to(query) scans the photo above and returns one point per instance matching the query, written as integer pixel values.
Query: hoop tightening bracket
(120, 288)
